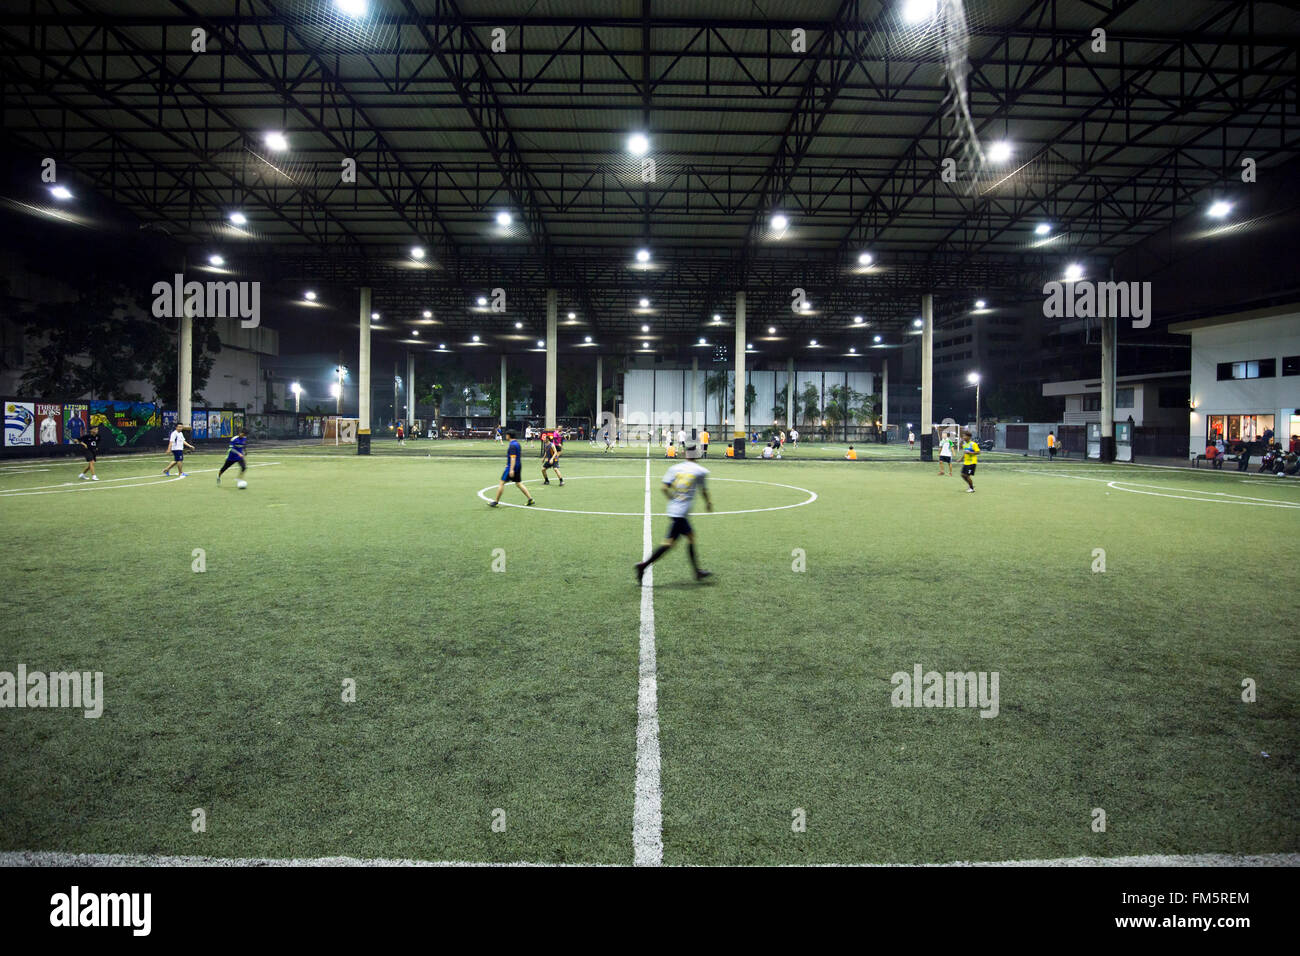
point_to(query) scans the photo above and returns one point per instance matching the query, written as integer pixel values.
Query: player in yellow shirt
(970, 456)
(704, 441)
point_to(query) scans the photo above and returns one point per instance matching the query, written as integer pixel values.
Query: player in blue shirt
(514, 470)
(235, 455)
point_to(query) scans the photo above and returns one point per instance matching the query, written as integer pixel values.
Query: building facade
(1245, 378)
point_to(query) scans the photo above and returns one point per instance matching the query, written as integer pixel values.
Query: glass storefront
(1233, 428)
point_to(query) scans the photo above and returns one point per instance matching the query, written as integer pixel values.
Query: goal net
(946, 429)
(340, 431)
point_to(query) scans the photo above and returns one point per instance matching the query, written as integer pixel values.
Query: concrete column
(789, 394)
(185, 366)
(410, 389)
(600, 392)
(503, 391)
(552, 340)
(1108, 388)
(739, 429)
(927, 370)
(363, 363)
(884, 393)
(695, 396)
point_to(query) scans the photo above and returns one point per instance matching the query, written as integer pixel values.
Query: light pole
(337, 389)
(297, 397)
(974, 379)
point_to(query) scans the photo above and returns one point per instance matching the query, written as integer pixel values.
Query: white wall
(664, 394)
(1274, 337)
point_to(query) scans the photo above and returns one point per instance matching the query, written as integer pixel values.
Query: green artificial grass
(516, 690)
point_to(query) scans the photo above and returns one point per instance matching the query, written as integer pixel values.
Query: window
(1092, 402)
(1237, 428)
(1123, 398)
(1291, 365)
(1260, 368)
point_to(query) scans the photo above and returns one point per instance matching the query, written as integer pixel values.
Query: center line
(647, 811)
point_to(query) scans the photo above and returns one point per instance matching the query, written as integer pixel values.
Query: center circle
(812, 496)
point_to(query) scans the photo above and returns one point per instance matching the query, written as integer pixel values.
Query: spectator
(1267, 437)
(1221, 448)
(852, 455)
(1212, 455)
(1243, 456)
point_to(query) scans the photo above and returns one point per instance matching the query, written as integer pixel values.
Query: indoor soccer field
(498, 659)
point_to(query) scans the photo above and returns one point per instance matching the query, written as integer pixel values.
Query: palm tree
(717, 383)
(810, 397)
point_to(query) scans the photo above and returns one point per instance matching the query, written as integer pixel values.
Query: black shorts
(947, 458)
(968, 469)
(679, 527)
(552, 463)
(516, 476)
(90, 456)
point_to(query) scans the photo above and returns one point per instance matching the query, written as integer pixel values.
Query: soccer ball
(241, 483)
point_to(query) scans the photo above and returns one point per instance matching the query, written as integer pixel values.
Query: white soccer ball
(241, 483)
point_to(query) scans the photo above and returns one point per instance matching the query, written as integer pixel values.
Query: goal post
(340, 431)
(946, 429)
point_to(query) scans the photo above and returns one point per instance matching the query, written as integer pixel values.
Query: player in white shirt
(945, 452)
(681, 437)
(681, 482)
(177, 444)
(794, 438)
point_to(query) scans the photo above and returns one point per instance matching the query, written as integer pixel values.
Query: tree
(718, 383)
(840, 399)
(93, 346)
(778, 405)
(864, 413)
(809, 400)
(751, 396)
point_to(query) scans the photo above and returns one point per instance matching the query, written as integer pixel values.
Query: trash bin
(363, 442)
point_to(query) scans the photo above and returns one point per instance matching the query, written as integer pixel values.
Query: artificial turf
(515, 690)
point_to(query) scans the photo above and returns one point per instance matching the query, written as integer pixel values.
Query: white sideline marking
(138, 481)
(10, 858)
(1198, 494)
(647, 807)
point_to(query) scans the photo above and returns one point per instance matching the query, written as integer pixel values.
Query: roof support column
(884, 394)
(1108, 388)
(927, 376)
(185, 365)
(789, 394)
(552, 338)
(738, 435)
(363, 364)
